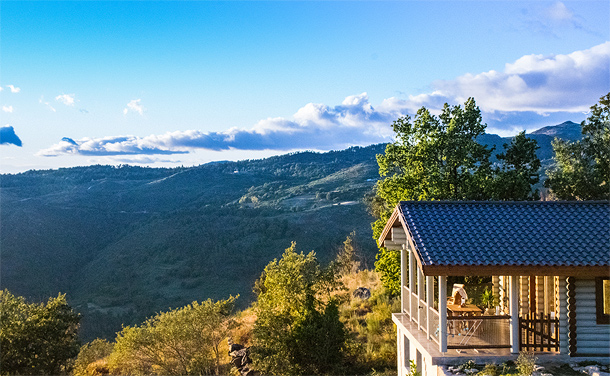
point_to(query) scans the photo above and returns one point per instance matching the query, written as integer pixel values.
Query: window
(602, 300)
(406, 351)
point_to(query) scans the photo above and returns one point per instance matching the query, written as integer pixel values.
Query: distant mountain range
(126, 242)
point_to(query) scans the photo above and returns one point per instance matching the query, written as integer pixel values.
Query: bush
(525, 363)
(92, 352)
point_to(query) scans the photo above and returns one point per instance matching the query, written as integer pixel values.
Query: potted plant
(489, 301)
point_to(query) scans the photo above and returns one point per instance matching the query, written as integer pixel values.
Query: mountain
(126, 242)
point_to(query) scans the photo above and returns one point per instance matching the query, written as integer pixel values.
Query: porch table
(466, 310)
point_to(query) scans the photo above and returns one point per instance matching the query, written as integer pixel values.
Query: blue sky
(184, 83)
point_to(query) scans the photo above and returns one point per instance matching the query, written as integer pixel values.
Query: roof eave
(516, 270)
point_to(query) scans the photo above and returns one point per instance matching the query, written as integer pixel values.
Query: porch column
(442, 314)
(420, 297)
(412, 272)
(430, 303)
(404, 259)
(513, 303)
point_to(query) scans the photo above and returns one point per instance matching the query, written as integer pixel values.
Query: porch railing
(478, 332)
(538, 332)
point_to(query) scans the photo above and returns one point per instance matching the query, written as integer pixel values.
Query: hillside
(125, 242)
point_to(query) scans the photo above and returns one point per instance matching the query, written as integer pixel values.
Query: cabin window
(602, 300)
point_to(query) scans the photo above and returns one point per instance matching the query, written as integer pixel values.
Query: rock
(240, 358)
(362, 293)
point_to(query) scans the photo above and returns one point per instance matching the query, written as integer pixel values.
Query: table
(466, 310)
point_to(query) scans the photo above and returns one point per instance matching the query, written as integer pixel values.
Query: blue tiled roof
(509, 233)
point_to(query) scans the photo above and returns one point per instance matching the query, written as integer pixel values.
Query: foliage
(347, 259)
(37, 338)
(490, 370)
(526, 363)
(297, 330)
(371, 343)
(91, 352)
(583, 167)
(413, 369)
(488, 299)
(439, 158)
(518, 171)
(183, 341)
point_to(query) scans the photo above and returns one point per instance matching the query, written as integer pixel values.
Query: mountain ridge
(125, 242)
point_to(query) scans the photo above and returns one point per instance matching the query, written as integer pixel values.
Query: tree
(346, 262)
(518, 171)
(297, 330)
(183, 341)
(439, 158)
(37, 338)
(582, 170)
(432, 158)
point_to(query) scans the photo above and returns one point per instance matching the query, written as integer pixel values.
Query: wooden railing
(538, 332)
(478, 332)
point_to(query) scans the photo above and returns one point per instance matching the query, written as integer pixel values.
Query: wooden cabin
(549, 264)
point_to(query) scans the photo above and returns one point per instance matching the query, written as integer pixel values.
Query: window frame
(602, 318)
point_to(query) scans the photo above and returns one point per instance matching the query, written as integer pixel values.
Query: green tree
(183, 341)
(519, 170)
(91, 352)
(432, 158)
(297, 330)
(346, 262)
(37, 339)
(582, 170)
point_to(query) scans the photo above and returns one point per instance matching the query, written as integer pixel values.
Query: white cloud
(533, 83)
(67, 99)
(533, 90)
(47, 104)
(135, 106)
(7, 108)
(13, 88)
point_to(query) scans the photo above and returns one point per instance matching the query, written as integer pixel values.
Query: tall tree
(432, 158)
(37, 339)
(582, 170)
(297, 329)
(518, 171)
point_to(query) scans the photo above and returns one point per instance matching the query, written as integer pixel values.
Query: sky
(182, 83)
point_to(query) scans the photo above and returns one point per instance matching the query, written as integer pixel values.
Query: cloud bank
(315, 126)
(8, 136)
(534, 88)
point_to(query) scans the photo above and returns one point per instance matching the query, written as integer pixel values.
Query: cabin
(547, 267)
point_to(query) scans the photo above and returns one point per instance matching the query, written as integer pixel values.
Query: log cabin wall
(591, 338)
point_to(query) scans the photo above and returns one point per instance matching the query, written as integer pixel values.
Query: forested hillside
(126, 242)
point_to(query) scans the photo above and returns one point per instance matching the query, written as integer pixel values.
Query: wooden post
(403, 277)
(442, 314)
(430, 303)
(524, 295)
(420, 297)
(539, 294)
(514, 313)
(563, 316)
(412, 272)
